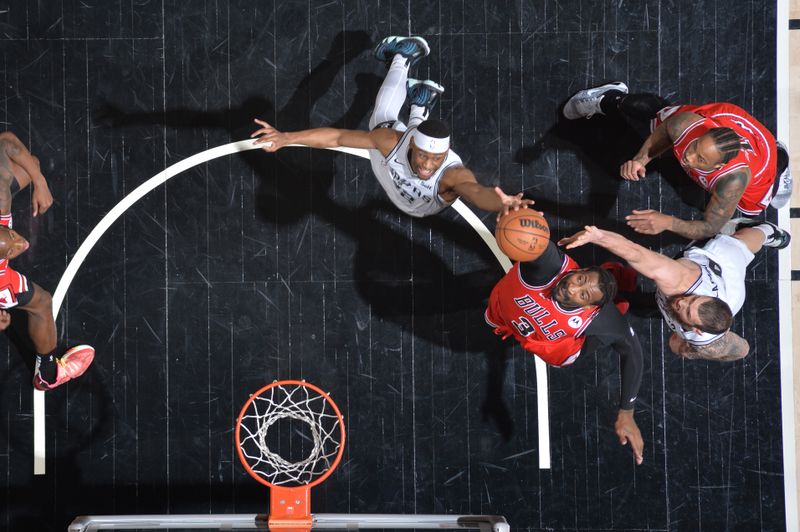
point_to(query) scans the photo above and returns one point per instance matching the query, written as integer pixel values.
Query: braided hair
(727, 142)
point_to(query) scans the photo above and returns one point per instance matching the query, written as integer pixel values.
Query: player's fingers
(261, 123)
(637, 446)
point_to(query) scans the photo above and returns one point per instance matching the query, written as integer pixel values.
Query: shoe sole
(70, 352)
(432, 85)
(416, 38)
(75, 350)
(617, 85)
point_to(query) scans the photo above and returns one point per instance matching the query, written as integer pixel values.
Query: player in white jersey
(699, 293)
(413, 163)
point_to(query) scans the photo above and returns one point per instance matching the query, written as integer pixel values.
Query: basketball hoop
(297, 418)
(310, 415)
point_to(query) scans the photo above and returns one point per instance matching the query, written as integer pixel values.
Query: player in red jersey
(18, 169)
(558, 312)
(719, 145)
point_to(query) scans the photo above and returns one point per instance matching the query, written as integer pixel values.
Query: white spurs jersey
(412, 195)
(711, 282)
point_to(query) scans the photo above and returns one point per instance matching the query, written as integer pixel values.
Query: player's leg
(422, 95)
(41, 325)
(757, 234)
(401, 52)
(612, 99)
(51, 371)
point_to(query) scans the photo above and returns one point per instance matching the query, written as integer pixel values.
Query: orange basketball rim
(290, 480)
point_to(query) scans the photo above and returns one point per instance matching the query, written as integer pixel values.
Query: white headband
(431, 144)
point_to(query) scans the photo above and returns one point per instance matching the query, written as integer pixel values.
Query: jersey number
(7, 299)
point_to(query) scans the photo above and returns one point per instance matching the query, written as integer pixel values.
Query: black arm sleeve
(610, 328)
(542, 270)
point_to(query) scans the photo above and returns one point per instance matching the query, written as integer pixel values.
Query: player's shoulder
(678, 123)
(726, 107)
(609, 322)
(384, 138)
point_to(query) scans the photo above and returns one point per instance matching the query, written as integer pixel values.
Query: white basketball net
(299, 403)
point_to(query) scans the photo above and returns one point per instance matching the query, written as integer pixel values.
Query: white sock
(417, 115)
(767, 229)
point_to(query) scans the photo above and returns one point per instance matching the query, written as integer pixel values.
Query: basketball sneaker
(70, 365)
(413, 48)
(775, 236)
(586, 103)
(784, 190)
(423, 93)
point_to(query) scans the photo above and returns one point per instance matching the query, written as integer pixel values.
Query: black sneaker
(423, 93)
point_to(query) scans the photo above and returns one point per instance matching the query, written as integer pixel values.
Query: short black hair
(606, 283)
(715, 316)
(434, 128)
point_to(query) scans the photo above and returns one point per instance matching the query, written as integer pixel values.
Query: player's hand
(269, 138)
(42, 198)
(510, 203)
(628, 432)
(649, 222)
(590, 234)
(5, 320)
(632, 170)
(679, 346)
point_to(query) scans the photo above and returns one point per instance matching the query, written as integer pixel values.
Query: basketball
(523, 235)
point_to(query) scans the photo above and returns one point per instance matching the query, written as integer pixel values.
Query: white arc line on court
(203, 157)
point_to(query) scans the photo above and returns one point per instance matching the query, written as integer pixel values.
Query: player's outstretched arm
(725, 197)
(611, 328)
(272, 140)
(462, 181)
(666, 272)
(17, 161)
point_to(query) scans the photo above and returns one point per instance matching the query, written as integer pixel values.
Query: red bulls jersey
(758, 153)
(11, 282)
(536, 320)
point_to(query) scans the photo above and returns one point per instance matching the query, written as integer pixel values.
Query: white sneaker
(586, 103)
(784, 192)
(775, 237)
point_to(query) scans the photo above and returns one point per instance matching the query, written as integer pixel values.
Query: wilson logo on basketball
(528, 222)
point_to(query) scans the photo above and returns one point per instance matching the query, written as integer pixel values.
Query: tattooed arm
(729, 347)
(5, 193)
(17, 162)
(724, 198)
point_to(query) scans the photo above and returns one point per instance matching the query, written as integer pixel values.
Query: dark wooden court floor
(257, 267)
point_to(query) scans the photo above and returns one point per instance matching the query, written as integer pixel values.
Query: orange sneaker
(70, 365)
